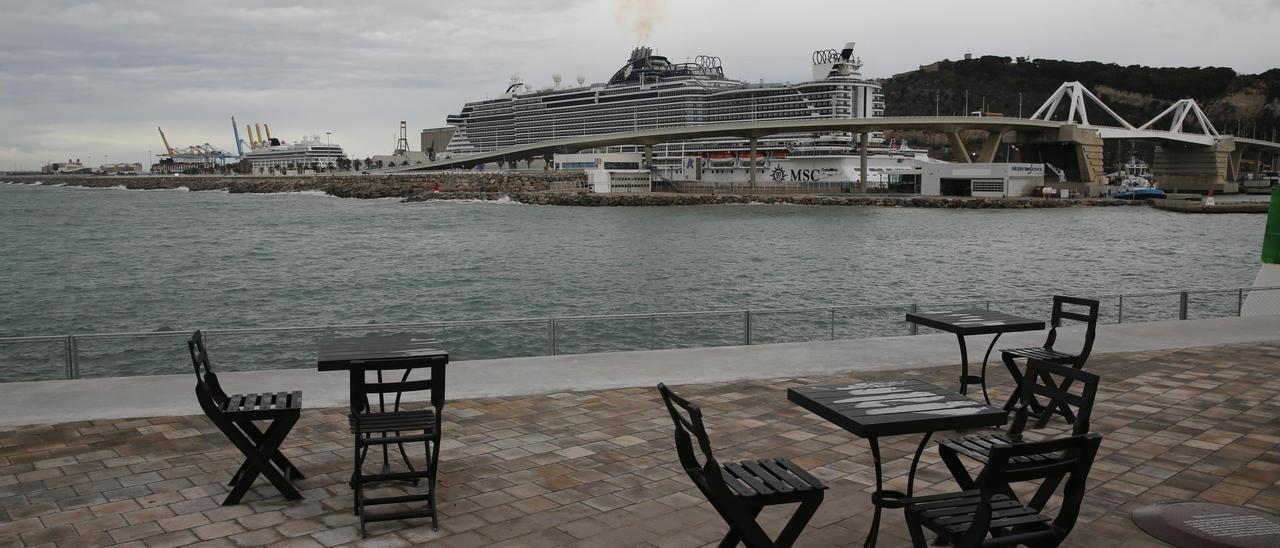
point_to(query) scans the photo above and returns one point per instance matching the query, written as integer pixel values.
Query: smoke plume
(641, 16)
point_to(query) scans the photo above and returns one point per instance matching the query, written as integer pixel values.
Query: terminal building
(435, 140)
(988, 180)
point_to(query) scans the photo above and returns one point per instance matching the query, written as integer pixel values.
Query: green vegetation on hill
(1246, 105)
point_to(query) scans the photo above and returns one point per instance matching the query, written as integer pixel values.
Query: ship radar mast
(829, 63)
(646, 66)
(514, 85)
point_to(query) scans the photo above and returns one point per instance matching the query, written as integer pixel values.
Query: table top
(339, 354)
(897, 407)
(976, 321)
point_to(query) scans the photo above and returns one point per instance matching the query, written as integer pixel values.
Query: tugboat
(1135, 182)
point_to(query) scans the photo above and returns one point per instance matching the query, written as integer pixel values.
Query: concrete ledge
(47, 402)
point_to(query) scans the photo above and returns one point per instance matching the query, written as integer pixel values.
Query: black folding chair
(991, 516)
(739, 491)
(388, 424)
(1047, 352)
(234, 415)
(1044, 379)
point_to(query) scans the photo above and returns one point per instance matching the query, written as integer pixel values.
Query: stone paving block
(599, 468)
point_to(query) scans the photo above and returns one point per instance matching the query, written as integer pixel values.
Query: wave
(503, 200)
(295, 193)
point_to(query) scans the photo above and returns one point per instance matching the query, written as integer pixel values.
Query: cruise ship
(650, 91)
(308, 153)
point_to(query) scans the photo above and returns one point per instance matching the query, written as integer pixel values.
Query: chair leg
(1063, 409)
(357, 479)
(364, 454)
(281, 461)
(958, 471)
(258, 458)
(734, 536)
(917, 531)
(433, 462)
(801, 518)
(1044, 493)
(1014, 372)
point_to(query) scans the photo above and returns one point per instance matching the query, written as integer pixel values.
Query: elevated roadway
(743, 130)
(1193, 159)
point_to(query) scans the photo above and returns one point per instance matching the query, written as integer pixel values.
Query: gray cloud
(91, 78)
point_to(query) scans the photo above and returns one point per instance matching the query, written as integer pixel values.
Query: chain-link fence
(124, 354)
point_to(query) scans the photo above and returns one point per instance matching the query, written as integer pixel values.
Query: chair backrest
(1090, 318)
(208, 390)
(687, 417)
(381, 387)
(1055, 382)
(1073, 458)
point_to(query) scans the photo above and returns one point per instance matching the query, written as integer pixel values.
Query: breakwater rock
(525, 187)
(1198, 206)
(667, 199)
(343, 186)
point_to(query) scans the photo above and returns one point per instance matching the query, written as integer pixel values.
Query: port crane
(196, 154)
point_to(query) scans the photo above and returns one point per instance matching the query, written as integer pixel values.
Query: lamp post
(966, 103)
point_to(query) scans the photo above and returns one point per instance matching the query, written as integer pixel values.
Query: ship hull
(828, 169)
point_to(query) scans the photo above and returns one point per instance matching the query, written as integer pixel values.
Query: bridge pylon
(1078, 97)
(1179, 112)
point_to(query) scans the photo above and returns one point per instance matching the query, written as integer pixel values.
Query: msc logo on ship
(779, 174)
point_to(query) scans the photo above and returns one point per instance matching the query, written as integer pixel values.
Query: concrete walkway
(47, 402)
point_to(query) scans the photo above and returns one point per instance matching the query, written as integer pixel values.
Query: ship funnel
(847, 52)
(267, 128)
(248, 130)
(258, 128)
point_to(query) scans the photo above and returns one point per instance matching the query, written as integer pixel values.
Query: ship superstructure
(308, 153)
(651, 91)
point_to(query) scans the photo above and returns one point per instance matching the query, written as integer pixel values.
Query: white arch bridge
(1191, 151)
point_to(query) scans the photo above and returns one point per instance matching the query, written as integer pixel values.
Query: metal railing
(117, 354)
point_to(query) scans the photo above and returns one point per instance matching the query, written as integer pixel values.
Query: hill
(1238, 104)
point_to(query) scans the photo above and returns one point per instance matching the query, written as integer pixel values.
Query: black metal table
(975, 321)
(891, 408)
(356, 354)
(360, 354)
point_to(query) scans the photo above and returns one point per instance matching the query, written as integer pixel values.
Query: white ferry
(308, 153)
(651, 91)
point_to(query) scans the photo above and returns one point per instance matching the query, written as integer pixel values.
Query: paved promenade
(48, 402)
(598, 468)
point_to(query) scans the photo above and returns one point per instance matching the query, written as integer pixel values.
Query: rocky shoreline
(342, 186)
(529, 188)
(669, 199)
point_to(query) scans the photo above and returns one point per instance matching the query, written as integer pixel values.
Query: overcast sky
(91, 80)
